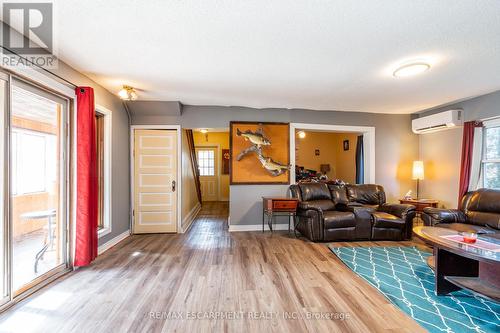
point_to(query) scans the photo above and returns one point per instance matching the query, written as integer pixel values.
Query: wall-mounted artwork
(259, 153)
(225, 161)
(346, 144)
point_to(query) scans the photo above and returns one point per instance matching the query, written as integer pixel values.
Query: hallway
(210, 280)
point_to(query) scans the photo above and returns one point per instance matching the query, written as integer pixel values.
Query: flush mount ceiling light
(301, 134)
(203, 130)
(127, 93)
(411, 69)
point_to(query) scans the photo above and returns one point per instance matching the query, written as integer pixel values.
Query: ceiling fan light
(128, 93)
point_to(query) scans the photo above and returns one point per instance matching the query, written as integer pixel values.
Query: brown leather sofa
(479, 212)
(350, 212)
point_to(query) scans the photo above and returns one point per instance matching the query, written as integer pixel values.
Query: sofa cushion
(336, 219)
(485, 219)
(484, 200)
(385, 220)
(463, 227)
(314, 191)
(366, 194)
(339, 194)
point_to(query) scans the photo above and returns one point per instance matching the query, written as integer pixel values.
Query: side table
(420, 204)
(278, 206)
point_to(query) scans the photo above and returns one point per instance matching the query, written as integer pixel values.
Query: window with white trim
(206, 162)
(103, 150)
(491, 155)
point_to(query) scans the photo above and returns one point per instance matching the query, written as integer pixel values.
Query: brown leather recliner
(479, 212)
(351, 212)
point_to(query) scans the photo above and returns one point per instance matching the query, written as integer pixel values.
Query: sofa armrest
(403, 211)
(313, 217)
(433, 216)
(304, 206)
(400, 210)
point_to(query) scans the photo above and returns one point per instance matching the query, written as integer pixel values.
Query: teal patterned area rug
(402, 275)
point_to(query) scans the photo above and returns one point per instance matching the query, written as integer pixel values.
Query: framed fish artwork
(260, 153)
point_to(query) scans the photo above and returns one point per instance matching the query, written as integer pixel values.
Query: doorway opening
(342, 154)
(212, 157)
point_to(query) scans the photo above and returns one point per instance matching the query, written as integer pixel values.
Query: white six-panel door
(155, 181)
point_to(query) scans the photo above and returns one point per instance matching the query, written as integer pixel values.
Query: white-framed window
(32, 156)
(490, 164)
(104, 126)
(206, 162)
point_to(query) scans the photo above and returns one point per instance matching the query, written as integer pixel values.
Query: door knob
(173, 185)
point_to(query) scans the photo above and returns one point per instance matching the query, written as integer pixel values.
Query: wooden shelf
(477, 286)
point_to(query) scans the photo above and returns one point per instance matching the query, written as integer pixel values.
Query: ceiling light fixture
(127, 93)
(411, 69)
(301, 134)
(203, 130)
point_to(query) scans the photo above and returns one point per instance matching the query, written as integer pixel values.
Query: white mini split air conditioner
(437, 122)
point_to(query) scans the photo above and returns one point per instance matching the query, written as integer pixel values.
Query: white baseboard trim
(187, 222)
(112, 242)
(256, 227)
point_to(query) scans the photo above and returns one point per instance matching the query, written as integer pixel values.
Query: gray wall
(441, 151)
(396, 147)
(120, 186)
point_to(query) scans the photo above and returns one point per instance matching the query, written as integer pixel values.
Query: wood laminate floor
(260, 282)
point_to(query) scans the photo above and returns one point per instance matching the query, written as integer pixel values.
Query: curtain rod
(43, 69)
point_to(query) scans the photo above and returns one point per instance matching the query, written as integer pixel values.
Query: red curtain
(86, 181)
(467, 148)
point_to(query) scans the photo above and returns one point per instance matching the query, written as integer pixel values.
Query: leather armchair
(479, 211)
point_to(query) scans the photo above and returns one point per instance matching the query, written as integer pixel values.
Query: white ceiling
(325, 55)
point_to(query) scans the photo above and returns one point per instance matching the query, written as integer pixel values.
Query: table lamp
(418, 172)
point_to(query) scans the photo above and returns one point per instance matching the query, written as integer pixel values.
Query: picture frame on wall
(346, 145)
(226, 156)
(259, 153)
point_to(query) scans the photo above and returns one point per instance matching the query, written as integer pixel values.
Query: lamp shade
(418, 170)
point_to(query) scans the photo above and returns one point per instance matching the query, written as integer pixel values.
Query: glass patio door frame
(5, 278)
(65, 202)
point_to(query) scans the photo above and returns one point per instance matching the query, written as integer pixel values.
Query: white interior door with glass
(209, 174)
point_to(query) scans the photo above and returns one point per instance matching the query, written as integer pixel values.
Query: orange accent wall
(330, 145)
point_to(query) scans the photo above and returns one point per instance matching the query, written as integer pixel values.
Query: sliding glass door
(37, 185)
(33, 186)
(4, 239)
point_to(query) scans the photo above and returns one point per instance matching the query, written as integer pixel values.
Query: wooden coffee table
(460, 265)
